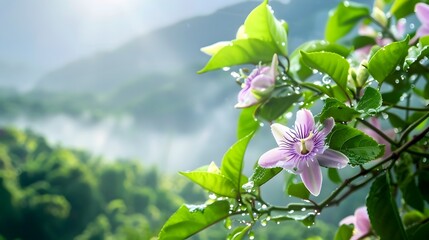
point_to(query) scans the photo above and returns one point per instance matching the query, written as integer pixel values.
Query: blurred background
(101, 106)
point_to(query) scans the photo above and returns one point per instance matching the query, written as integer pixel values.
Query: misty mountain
(176, 47)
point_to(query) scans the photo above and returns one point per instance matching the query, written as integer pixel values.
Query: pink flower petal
(332, 159)
(304, 123)
(362, 223)
(271, 158)
(280, 132)
(328, 125)
(422, 13)
(312, 177)
(348, 220)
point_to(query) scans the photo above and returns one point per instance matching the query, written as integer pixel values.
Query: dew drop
(291, 211)
(261, 124)
(289, 115)
(412, 26)
(315, 71)
(263, 223)
(346, 3)
(397, 81)
(226, 69)
(212, 196)
(424, 160)
(251, 235)
(235, 75)
(283, 44)
(397, 68)
(326, 79)
(303, 209)
(264, 207)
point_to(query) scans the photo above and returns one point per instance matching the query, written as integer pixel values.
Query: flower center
(304, 149)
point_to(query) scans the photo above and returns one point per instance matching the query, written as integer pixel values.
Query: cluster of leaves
(55, 193)
(389, 83)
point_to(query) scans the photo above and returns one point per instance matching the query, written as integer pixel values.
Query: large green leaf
(261, 36)
(239, 232)
(262, 175)
(332, 64)
(411, 194)
(277, 105)
(357, 146)
(189, 220)
(213, 182)
(261, 24)
(338, 110)
(232, 162)
(297, 66)
(343, 19)
(371, 101)
(403, 8)
(247, 123)
(241, 51)
(383, 212)
(384, 62)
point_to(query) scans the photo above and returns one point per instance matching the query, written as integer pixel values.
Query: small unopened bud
(379, 16)
(362, 73)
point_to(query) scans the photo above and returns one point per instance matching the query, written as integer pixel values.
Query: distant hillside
(177, 47)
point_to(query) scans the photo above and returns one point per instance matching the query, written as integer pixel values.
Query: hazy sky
(49, 33)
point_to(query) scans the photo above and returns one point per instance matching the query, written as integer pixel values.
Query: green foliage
(356, 145)
(343, 19)
(261, 36)
(386, 60)
(344, 232)
(381, 205)
(195, 218)
(57, 196)
(332, 64)
(338, 110)
(300, 69)
(370, 102)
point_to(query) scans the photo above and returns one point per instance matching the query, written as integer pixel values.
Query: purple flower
(302, 150)
(422, 13)
(258, 85)
(360, 221)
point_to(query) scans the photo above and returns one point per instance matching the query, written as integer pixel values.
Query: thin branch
(425, 109)
(378, 131)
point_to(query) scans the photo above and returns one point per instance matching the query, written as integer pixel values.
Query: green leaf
(383, 212)
(332, 64)
(241, 51)
(297, 66)
(189, 220)
(232, 162)
(357, 146)
(421, 232)
(215, 183)
(247, 123)
(403, 8)
(334, 176)
(262, 175)
(344, 232)
(277, 105)
(338, 110)
(411, 194)
(384, 62)
(298, 190)
(239, 232)
(261, 24)
(264, 36)
(423, 183)
(343, 19)
(371, 101)
(362, 41)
